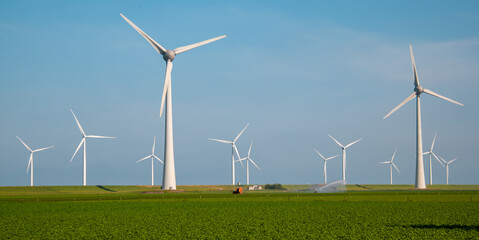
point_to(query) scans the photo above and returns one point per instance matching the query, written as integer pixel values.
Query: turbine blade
(384, 162)
(437, 158)
(242, 159)
(394, 154)
(442, 97)
(394, 165)
(319, 154)
(251, 160)
(442, 159)
(331, 157)
(24, 144)
(30, 161)
(41, 149)
(241, 162)
(149, 156)
(434, 140)
(158, 159)
(336, 141)
(157, 46)
(452, 161)
(95, 136)
(169, 67)
(236, 138)
(189, 47)
(153, 149)
(236, 150)
(353, 143)
(78, 123)
(249, 151)
(81, 143)
(413, 95)
(222, 141)
(416, 80)
(237, 153)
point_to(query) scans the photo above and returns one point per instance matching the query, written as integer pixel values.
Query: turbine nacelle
(418, 89)
(169, 55)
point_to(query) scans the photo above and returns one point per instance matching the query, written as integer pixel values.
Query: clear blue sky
(296, 71)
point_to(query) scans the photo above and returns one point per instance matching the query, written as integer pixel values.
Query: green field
(361, 212)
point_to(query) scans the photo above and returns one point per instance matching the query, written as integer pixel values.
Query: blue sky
(295, 71)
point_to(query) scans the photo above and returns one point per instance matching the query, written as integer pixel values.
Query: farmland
(371, 211)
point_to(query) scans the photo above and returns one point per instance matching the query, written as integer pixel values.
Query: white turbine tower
(233, 150)
(344, 155)
(325, 160)
(431, 153)
(83, 142)
(447, 168)
(391, 165)
(30, 160)
(169, 178)
(248, 159)
(153, 157)
(418, 89)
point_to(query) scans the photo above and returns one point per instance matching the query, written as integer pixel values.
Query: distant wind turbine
(233, 150)
(418, 89)
(447, 168)
(152, 156)
(169, 176)
(430, 158)
(391, 165)
(30, 160)
(248, 159)
(325, 160)
(344, 155)
(83, 142)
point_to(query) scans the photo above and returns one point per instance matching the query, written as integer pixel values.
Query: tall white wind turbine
(83, 142)
(420, 182)
(233, 150)
(169, 178)
(447, 168)
(153, 157)
(248, 159)
(431, 153)
(391, 165)
(30, 160)
(344, 155)
(325, 161)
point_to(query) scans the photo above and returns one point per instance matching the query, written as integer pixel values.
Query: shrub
(275, 186)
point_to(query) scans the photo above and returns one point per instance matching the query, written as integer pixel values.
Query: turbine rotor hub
(169, 55)
(418, 89)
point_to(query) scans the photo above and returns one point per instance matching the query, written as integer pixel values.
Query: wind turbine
(153, 156)
(83, 142)
(418, 89)
(248, 159)
(169, 178)
(391, 164)
(325, 160)
(430, 158)
(233, 150)
(344, 155)
(30, 160)
(447, 168)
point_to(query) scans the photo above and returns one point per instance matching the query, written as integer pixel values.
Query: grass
(362, 212)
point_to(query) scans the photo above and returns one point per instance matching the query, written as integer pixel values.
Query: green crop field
(122, 212)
